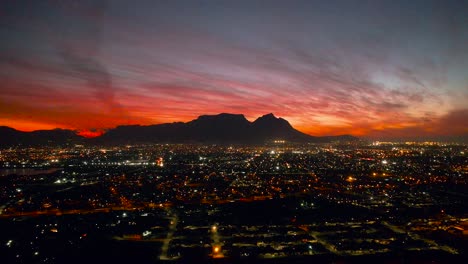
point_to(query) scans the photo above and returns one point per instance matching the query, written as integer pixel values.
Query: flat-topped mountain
(221, 128)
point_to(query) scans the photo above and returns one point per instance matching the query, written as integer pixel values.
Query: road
(217, 245)
(170, 234)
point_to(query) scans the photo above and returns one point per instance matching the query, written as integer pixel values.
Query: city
(281, 201)
(233, 131)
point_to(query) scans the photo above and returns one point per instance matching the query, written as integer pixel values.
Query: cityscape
(279, 201)
(233, 131)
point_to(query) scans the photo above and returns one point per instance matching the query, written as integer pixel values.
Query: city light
(216, 250)
(194, 202)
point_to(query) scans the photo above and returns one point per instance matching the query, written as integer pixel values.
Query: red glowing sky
(375, 71)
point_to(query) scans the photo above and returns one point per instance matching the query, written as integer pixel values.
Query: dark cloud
(81, 55)
(452, 125)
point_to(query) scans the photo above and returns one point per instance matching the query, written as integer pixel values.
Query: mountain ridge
(220, 128)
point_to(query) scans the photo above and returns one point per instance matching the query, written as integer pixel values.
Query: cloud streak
(100, 64)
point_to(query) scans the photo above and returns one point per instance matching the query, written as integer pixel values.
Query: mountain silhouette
(221, 128)
(11, 137)
(269, 127)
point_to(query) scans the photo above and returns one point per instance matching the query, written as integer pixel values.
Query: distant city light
(216, 249)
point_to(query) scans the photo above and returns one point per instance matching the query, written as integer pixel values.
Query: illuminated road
(170, 233)
(217, 245)
(330, 247)
(414, 236)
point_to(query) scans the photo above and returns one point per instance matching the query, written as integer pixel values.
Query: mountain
(269, 127)
(12, 137)
(221, 128)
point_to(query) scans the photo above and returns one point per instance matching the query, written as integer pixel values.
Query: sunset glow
(90, 66)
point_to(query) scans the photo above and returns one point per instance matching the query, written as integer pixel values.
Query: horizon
(387, 70)
(93, 134)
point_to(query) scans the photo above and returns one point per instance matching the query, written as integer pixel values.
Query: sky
(375, 69)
